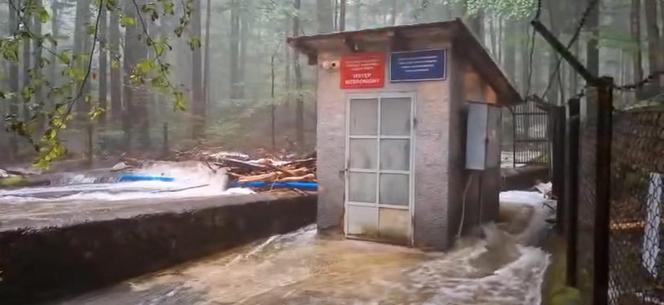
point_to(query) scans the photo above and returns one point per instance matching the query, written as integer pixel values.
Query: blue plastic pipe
(134, 178)
(302, 185)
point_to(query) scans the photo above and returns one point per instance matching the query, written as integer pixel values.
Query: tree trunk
(37, 66)
(635, 29)
(235, 50)
(554, 86)
(342, 15)
(525, 58)
(80, 45)
(592, 48)
(198, 102)
(206, 66)
(510, 51)
(55, 31)
(299, 100)
(493, 37)
(393, 12)
(273, 105)
(26, 59)
(244, 43)
(653, 41)
(475, 21)
(116, 73)
(357, 9)
(13, 83)
(103, 63)
(325, 16)
(135, 114)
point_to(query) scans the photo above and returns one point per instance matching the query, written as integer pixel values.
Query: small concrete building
(408, 132)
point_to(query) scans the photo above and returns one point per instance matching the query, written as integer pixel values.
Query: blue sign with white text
(412, 66)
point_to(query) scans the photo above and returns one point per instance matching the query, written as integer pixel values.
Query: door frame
(411, 194)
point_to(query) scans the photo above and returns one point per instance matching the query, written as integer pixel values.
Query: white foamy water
(190, 179)
(303, 268)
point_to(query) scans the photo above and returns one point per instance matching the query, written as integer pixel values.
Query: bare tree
(592, 46)
(235, 43)
(136, 97)
(635, 29)
(103, 62)
(198, 101)
(116, 72)
(325, 16)
(26, 59)
(81, 42)
(13, 81)
(299, 99)
(206, 66)
(38, 63)
(342, 15)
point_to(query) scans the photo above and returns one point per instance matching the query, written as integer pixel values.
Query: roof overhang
(400, 38)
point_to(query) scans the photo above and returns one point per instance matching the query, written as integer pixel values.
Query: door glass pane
(363, 153)
(394, 189)
(395, 116)
(395, 154)
(394, 224)
(363, 116)
(362, 187)
(362, 220)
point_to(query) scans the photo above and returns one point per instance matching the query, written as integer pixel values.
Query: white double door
(379, 163)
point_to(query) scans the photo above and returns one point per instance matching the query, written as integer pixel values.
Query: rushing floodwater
(303, 268)
(191, 179)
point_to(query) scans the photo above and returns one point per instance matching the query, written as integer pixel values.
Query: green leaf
(180, 101)
(10, 50)
(65, 57)
(90, 29)
(43, 15)
(195, 43)
(96, 112)
(126, 21)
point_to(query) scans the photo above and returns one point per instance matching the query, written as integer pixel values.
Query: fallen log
(307, 177)
(262, 177)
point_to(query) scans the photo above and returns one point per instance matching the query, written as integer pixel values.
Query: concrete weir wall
(42, 263)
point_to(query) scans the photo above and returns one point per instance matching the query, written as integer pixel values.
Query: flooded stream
(183, 179)
(305, 268)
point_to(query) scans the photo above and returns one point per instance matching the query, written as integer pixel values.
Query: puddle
(304, 268)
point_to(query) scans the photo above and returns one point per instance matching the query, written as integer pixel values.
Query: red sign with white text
(363, 70)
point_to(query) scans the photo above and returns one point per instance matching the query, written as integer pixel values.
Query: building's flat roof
(398, 37)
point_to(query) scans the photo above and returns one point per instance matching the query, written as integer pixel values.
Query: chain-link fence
(614, 218)
(636, 234)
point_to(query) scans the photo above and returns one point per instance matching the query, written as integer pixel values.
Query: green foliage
(513, 9)
(75, 70)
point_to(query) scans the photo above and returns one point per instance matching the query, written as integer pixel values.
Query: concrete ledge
(66, 254)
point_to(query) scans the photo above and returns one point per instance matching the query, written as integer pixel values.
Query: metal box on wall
(482, 142)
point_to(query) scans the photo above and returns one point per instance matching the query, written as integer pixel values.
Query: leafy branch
(49, 146)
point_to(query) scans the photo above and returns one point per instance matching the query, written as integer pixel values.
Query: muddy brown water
(303, 268)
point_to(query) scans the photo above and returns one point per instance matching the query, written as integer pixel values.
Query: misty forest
(106, 77)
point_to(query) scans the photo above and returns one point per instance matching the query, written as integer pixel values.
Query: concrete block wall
(48, 262)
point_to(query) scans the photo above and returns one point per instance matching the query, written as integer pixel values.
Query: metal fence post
(593, 194)
(570, 199)
(556, 123)
(603, 188)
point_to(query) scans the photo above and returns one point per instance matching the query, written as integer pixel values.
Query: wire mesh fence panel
(587, 210)
(531, 135)
(636, 245)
